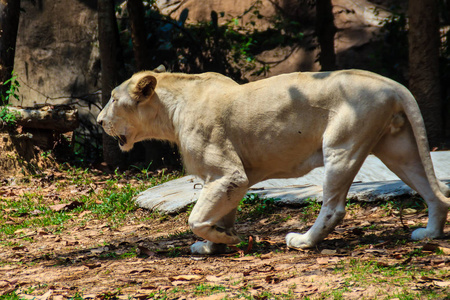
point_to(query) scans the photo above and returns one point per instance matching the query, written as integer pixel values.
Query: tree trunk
(139, 34)
(325, 31)
(424, 44)
(112, 66)
(157, 153)
(9, 23)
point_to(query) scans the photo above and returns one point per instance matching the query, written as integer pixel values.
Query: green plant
(254, 206)
(8, 117)
(10, 296)
(12, 91)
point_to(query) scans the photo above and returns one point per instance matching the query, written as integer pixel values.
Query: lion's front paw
(423, 233)
(298, 240)
(207, 247)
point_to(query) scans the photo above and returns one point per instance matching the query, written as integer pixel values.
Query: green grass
(367, 274)
(10, 296)
(113, 203)
(252, 206)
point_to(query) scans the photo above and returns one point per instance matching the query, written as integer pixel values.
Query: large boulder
(57, 54)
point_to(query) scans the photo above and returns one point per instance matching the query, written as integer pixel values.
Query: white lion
(234, 136)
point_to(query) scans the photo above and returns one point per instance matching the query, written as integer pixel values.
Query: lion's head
(127, 114)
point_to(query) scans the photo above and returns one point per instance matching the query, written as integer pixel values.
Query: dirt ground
(146, 255)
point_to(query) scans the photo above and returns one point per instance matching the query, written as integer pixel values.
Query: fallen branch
(61, 118)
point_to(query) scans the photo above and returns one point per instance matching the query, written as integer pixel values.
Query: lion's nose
(100, 118)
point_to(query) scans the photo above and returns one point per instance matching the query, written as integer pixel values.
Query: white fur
(234, 136)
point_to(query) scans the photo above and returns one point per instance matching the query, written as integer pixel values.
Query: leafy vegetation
(224, 44)
(113, 203)
(252, 206)
(8, 117)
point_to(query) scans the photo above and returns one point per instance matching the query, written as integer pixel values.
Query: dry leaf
(328, 252)
(93, 265)
(148, 287)
(145, 251)
(430, 247)
(322, 260)
(218, 296)
(185, 277)
(66, 206)
(445, 250)
(245, 258)
(71, 243)
(443, 284)
(84, 213)
(46, 296)
(213, 278)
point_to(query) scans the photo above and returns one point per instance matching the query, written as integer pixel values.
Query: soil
(147, 255)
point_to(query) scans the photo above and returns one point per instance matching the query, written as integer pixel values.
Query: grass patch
(252, 206)
(10, 296)
(113, 201)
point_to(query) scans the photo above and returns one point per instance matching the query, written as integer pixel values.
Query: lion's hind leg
(399, 152)
(341, 167)
(213, 216)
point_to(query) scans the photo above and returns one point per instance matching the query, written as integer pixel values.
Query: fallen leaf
(445, 250)
(185, 277)
(218, 296)
(46, 296)
(409, 211)
(238, 250)
(86, 212)
(376, 251)
(213, 278)
(322, 260)
(426, 278)
(148, 287)
(245, 258)
(141, 270)
(71, 243)
(263, 269)
(93, 265)
(145, 251)
(36, 212)
(99, 250)
(328, 252)
(442, 283)
(20, 248)
(432, 247)
(272, 279)
(66, 206)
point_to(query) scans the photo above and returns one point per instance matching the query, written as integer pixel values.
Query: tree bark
(424, 41)
(139, 34)
(9, 23)
(156, 152)
(112, 66)
(60, 118)
(325, 31)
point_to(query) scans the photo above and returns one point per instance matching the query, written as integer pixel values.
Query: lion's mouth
(122, 140)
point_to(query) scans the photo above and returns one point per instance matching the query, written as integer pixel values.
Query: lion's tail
(414, 116)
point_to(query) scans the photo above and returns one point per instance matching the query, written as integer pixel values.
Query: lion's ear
(145, 87)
